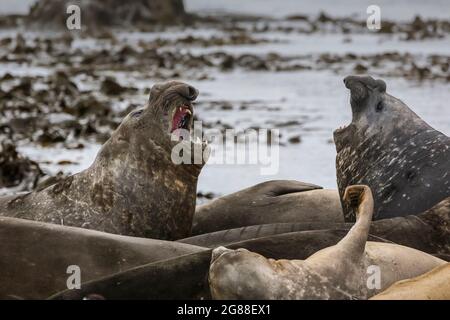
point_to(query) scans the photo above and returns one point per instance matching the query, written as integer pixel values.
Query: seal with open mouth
(337, 272)
(133, 187)
(391, 149)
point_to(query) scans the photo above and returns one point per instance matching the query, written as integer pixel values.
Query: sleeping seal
(34, 256)
(276, 201)
(433, 285)
(393, 151)
(133, 187)
(336, 272)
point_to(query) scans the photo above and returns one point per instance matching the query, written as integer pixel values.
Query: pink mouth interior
(181, 119)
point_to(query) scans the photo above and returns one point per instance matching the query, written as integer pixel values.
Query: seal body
(186, 277)
(276, 201)
(433, 285)
(133, 187)
(337, 272)
(392, 150)
(35, 256)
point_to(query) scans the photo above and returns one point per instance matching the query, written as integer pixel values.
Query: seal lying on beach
(337, 272)
(133, 187)
(433, 285)
(428, 232)
(392, 150)
(35, 256)
(274, 201)
(186, 277)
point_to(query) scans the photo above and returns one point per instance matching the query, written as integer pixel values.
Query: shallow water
(317, 99)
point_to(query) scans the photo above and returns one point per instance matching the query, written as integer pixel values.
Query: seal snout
(186, 91)
(176, 99)
(218, 252)
(354, 82)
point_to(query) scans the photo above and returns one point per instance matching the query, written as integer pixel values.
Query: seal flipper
(280, 187)
(275, 201)
(354, 243)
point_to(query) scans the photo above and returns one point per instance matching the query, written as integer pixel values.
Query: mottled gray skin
(133, 187)
(186, 277)
(337, 272)
(389, 148)
(34, 256)
(428, 232)
(277, 201)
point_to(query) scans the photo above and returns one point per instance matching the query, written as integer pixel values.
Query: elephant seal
(424, 233)
(275, 201)
(433, 285)
(337, 272)
(35, 256)
(133, 187)
(389, 148)
(186, 277)
(428, 232)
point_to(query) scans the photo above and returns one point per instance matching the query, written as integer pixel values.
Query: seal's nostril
(192, 92)
(218, 252)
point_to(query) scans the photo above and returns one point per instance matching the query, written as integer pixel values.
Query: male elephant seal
(433, 285)
(337, 272)
(35, 256)
(389, 148)
(133, 187)
(276, 201)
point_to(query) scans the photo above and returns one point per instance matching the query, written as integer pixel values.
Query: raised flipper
(360, 198)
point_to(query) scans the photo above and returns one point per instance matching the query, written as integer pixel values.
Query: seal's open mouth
(182, 118)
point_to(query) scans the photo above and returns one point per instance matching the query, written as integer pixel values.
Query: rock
(360, 69)
(17, 171)
(296, 139)
(206, 195)
(111, 88)
(98, 14)
(51, 136)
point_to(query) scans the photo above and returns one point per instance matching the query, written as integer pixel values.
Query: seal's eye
(379, 107)
(137, 113)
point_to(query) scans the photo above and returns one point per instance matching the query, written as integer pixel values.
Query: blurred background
(257, 63)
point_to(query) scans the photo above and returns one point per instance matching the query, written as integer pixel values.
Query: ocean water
(318, 100)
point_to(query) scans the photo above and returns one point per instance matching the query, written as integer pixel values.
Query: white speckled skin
(392, 150)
